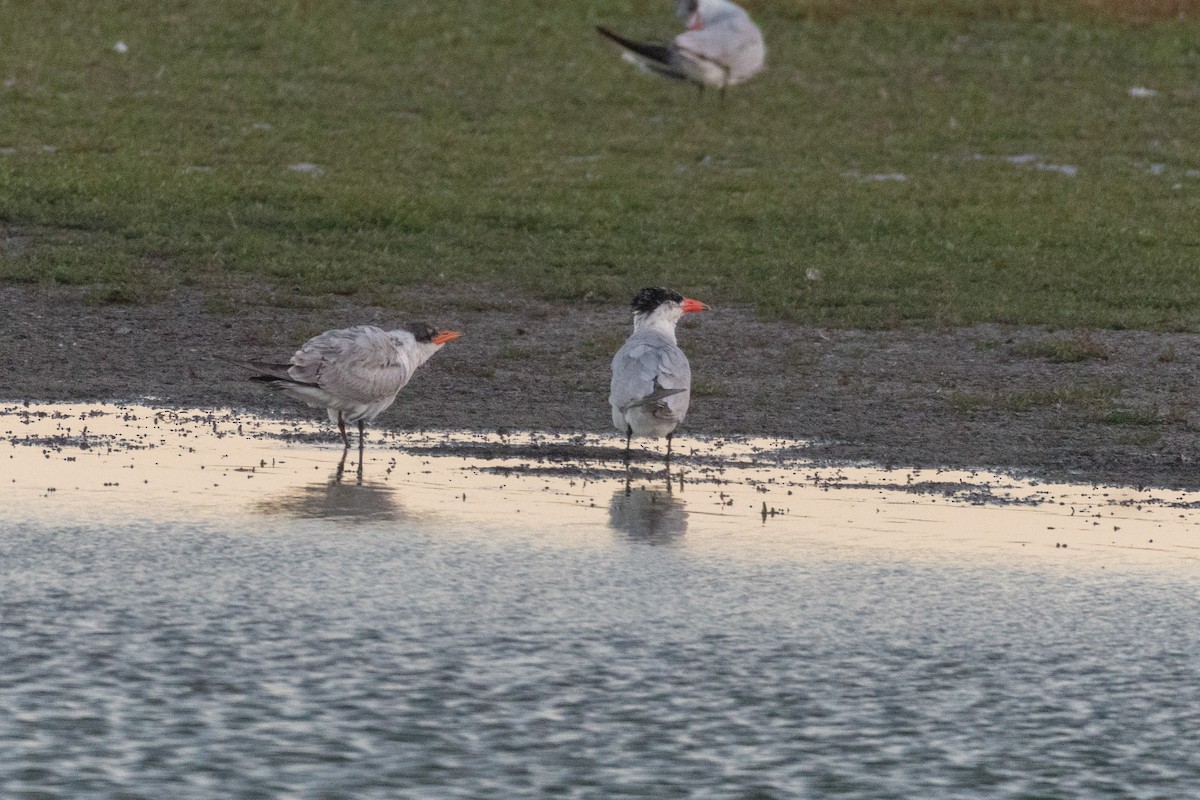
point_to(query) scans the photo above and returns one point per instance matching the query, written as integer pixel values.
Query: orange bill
(689, 305)
(445, 336)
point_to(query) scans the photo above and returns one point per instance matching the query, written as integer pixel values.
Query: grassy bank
(922, 164)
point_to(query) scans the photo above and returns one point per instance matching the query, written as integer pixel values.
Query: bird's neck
(412, 353)
(655, 322)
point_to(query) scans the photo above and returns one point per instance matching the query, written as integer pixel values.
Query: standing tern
(651, 377)
(721, 46)
(354, 373)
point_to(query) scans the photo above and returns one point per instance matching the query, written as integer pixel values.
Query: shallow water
(195, 605)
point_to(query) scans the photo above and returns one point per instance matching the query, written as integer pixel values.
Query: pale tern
(354, 373)
(651, 378)
(721, 46)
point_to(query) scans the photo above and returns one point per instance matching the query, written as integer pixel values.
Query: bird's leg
(342, 430)
(361, 426)
(628, 443)
(670, 436)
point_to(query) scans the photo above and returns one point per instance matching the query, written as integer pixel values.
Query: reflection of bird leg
(681, 480)
(628, 480)
(342, 430)
(669, 486)
(341, 467)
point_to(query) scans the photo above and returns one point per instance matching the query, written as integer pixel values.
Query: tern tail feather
(268, 372)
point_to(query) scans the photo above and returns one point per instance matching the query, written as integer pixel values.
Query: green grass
(506, 145)
(1059, 350)
(1098, 400)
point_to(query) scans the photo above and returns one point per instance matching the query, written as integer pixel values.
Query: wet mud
(988, 397)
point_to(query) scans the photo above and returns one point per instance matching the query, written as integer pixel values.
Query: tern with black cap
(651, 378)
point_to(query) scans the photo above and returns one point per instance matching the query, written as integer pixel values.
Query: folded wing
(651, 372)
(359, 364)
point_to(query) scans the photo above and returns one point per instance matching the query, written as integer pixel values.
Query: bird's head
(689, 10)
(699, 13)
(427, 334)
(659, 303)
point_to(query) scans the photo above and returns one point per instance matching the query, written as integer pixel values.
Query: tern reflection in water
(365, 501)
(651, 516)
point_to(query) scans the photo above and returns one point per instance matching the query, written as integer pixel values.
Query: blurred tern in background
(651, 377)
(354, 373)
(721, 46)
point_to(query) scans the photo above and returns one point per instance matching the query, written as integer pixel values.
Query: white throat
(411, 352)
(661, 319)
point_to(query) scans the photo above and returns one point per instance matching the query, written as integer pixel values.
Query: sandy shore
(975, 397)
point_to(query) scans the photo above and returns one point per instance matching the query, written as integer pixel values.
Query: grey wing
(651, 374)
(360, 364)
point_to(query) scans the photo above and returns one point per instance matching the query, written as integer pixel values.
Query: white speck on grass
(261, 126)
(1021, 159)
(49, 148)
(1157, 169)
(1142, 91)
(1193, 173)
(308, 168)
(8, 151)
(813, 274)
(120, 47)
(10, 82)
(1063, 169)
(879, 177)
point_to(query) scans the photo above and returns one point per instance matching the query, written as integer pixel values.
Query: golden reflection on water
(649, 515)
(102, 464)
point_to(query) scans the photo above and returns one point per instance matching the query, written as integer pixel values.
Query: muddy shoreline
(1118, 407)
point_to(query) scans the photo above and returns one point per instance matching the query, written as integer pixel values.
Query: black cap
(652, 297)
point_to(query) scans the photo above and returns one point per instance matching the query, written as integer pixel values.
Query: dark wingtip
(605, 32)
(655, 52)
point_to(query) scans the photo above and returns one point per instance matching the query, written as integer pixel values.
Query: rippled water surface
(198, 607)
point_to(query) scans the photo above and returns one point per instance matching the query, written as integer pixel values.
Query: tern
(721, 46)
(651, 378)
(354, 373)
